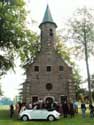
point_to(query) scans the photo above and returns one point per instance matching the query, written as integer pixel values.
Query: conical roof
(48, 17)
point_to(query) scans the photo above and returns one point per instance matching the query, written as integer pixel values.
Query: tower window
(36, 68)
(51, 32)
(48, 68)
(61, 68)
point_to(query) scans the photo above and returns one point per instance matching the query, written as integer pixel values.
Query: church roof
(48, 17)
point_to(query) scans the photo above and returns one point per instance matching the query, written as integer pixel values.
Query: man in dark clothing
(83, 108)
(65, 109)
(11, 110)
(71, 109)
(91, 107)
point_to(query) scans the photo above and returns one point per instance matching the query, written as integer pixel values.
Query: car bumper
(57, 117)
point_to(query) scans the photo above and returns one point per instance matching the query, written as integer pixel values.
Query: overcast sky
(61, 10)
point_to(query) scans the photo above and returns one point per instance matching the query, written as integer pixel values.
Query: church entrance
(49, 99)
(50, 103)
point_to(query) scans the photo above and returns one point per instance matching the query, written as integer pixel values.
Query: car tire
(25, 118)
(51, 118)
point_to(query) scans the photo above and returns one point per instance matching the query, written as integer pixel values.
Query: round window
(49, 86)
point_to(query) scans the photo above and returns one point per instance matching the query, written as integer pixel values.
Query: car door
(44, 114)
(36, 114)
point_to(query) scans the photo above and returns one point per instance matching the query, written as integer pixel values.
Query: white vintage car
(42, 114)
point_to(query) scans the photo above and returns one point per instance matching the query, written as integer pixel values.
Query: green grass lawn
(78, 120)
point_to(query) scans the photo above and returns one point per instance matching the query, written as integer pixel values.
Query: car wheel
(51, 118)
(24, 117)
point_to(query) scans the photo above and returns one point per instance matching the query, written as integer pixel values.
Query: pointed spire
(48, 17)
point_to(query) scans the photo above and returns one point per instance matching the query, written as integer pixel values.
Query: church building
(48, 76)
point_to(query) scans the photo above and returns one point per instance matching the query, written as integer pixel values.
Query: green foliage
(15, 38)
(64, 52)
(82, 33)
(77, 120)
(92, 82)
(80, 94)
(93, 95)
(76, 78)
(81, 29)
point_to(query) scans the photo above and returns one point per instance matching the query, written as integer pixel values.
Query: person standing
(65, 109)
(83, 108)
(91, 108)
(11, 110)
(71, 109)
(75, 106)
(17, 108)
(30, 106)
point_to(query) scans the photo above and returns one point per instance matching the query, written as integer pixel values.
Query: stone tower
(49, 76)
(48, 32)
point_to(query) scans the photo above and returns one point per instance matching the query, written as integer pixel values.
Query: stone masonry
(49, 75)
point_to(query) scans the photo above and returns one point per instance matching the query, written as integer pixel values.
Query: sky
(61, 10)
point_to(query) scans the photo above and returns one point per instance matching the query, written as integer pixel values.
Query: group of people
(69, 108)
(63, 108)
(66, 108)
(84, 108)
(18, 107)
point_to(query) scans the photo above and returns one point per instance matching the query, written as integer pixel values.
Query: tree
(6, 101)
(15, 38)
(1, 93)
(77, 80)
(81, 94)
(64, 52)
(82, 33)
(92, 86)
